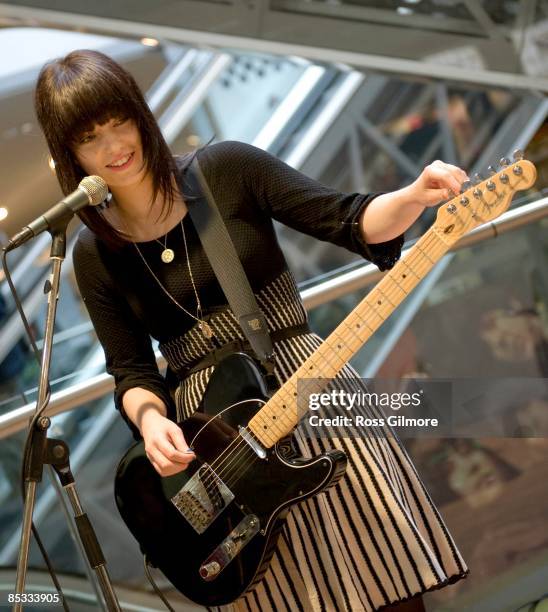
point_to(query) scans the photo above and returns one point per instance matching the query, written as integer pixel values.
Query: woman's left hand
(437, 182)
(390, 214)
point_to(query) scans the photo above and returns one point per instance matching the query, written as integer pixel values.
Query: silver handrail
(369, 273)
(100, 385)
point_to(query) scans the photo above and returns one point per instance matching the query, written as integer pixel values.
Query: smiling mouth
(124, 161)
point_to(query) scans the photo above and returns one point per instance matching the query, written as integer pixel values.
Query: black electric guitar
(213, 528)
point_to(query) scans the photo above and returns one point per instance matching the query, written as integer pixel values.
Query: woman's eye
(120, 122)
(86, 138)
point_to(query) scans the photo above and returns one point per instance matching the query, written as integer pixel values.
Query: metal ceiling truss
(365, 38)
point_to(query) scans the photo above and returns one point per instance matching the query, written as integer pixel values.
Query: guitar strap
(226, 264)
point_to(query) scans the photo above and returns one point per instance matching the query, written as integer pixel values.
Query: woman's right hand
(165, 445)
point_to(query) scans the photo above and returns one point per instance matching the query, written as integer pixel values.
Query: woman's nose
(113, 148)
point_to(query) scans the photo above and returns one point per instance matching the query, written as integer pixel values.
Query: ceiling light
(150, 42)
(193, 140)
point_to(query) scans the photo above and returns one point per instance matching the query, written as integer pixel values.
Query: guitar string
(394, 289)
(233, 455)
(241, 456)
(224, 466)
(427, 243)
(228, 462)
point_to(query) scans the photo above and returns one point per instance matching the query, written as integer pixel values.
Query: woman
(375, 539)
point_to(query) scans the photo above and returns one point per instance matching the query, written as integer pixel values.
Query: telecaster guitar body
(212, 529)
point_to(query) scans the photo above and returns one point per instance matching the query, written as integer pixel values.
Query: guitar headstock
(485, 200)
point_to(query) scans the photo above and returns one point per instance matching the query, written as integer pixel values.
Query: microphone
(92, 190)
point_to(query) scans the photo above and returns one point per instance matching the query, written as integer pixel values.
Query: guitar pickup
(202, 498)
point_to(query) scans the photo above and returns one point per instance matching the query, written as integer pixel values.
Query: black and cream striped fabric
(376, 537)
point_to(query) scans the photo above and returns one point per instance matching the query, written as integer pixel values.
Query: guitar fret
(396, 282)
(420, 267)
(374, 310)
(316, 367)
(423, 253)
(384, 295)
(404, 262)
(341, 345)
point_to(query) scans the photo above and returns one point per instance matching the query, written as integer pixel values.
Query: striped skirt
(375, 538)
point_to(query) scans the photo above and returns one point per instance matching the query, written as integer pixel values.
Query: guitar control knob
(504, 161)
(517, 155)
(451, 208)
(477, 192)
(503, 178)
(464, 201)
(491, 186)
(517, 170)
(210, 569)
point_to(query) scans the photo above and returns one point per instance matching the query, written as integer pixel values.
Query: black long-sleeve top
(251, 187)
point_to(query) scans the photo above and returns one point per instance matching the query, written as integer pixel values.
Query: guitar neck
(475, 205)
(280, 415)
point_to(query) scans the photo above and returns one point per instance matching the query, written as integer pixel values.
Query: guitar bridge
(202, 498)
(231, 546)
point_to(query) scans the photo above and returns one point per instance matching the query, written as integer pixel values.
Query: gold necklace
(204, 326)
(168, 255)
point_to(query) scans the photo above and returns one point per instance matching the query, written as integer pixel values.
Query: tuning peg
(491, 185)
(504, 161)
(465, 186)
(517, 155)
(491, 170)
(477, 178)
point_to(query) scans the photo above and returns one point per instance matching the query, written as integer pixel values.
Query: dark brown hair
(86, 87)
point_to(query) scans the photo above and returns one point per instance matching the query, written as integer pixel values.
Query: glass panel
(257, 82)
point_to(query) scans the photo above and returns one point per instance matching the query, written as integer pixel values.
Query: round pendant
(168, 255)
(206, 330)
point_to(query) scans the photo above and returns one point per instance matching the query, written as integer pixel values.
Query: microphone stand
(44, 450)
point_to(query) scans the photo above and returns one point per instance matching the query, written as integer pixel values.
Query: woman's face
(112, 151)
